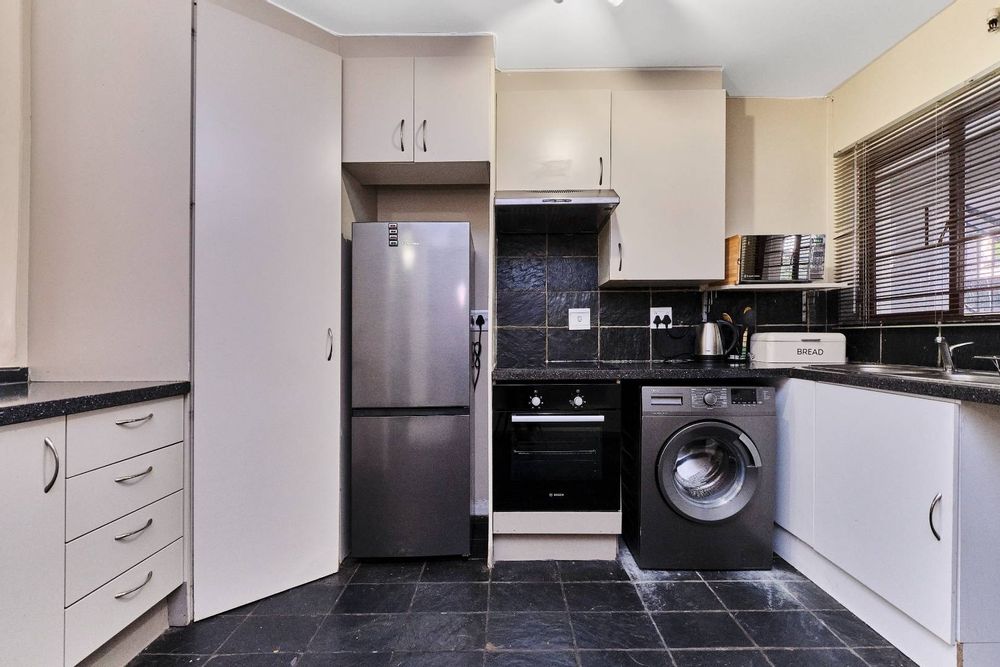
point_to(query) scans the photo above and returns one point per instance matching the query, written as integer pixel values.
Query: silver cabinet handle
(423, 134)
(329, 344)
(137, 420)
(119, 596)
(132, 533)
(402, 146)
(126, 478)
(600, 180)
(619, 256)
(930, 516)
(55, 473)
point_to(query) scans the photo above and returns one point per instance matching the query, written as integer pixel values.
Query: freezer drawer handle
(557, 419)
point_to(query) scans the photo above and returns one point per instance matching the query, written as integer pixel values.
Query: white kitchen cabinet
(429, 109)
(32, 551)
(795, 500)
(554, 140)
(670, 171)
(885, 482)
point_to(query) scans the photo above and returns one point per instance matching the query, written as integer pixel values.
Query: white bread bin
(782, 349)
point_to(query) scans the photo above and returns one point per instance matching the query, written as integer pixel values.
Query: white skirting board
(918, 643)
(555, 547)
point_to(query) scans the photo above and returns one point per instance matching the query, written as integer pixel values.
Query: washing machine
(698, 484)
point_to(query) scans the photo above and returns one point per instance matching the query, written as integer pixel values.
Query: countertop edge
(31, 411)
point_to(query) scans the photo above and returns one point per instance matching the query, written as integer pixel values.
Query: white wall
(14, 21)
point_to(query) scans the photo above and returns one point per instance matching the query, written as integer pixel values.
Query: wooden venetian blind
(917, 214)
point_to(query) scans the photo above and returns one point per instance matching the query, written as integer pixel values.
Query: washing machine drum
(708, 471)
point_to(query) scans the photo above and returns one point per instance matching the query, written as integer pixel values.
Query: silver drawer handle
(137, 475)
(119, 596)
(930, 516)
(132, 533)
(55, 473)
(137, 420)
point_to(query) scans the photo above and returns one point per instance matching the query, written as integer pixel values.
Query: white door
(378, 110)
(452, 107)
(554, 140)
(882, 460)
(266, 378)
(33, 548)
(795, 496)
(670, 171)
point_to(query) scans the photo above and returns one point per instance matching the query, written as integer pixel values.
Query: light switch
(579, 319)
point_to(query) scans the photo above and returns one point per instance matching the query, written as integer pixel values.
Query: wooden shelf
(774, 287)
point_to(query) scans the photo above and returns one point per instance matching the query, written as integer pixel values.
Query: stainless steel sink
(916, 373)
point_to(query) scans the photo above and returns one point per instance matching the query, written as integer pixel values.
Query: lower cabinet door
(108, 610)
(885, 496)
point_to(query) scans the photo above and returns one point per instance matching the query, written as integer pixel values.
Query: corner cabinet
(885, 484)
(33, 550)
(427, 109)
(670, 171)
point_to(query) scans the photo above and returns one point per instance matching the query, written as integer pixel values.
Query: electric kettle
(708, 340)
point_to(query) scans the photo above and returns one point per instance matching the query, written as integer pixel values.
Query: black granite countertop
(28, 401)
(694, 372)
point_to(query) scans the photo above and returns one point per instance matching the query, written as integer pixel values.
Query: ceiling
(773, 48)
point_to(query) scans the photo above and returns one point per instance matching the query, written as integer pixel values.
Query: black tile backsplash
(915, 344)
(541, 276)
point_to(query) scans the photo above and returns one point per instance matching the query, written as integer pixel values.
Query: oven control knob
(577, 401)
(535, 401)
(710, 398)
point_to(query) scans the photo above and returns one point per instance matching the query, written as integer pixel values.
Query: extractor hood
(531, 212)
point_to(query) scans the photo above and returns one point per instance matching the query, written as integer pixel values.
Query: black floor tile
(455, 571)
(160, 660)
(852, 629)
(782, 571)
(614, 631)
(529, 570)
(443, 632)
(736, 575)
(526, 597)
(638, 575)
(528, 631)
(245, 610)
(721, 658)
(602, 596)
(624, 659)
(375, 599)
(388, 573)
(823, 657)
(256, 660)
(311, 599)
(885, 657)
(592, 570)
(342, 576)
(455, 597)
(440, 659)
(358, 633)
(203, 637)
(755, 595)
(531, 659)
(787, 629)
(701, 630)
(270, 634)
(811, 596)
(678, 596)
(345, 660)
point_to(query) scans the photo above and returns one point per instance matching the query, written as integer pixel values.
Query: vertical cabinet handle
(600, 179)
(930, 516)
(402, 146)
(329, 344)
(423, 134)
(119, 596)
(55, 473)
(619, 256)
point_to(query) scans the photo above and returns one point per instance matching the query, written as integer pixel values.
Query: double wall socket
(472, 319)
(662, 313)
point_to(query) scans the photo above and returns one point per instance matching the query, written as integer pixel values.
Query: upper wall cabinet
(670, 171)
(554, 140)
(433, 109)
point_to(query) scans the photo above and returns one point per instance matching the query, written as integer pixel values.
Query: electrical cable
(477, 351)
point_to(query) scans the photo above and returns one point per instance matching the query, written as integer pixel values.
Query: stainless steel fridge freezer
(411, 441)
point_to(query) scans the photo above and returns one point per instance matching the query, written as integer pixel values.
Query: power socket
(660, 312)
(472, 319)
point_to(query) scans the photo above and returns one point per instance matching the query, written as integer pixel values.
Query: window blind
(917, 214)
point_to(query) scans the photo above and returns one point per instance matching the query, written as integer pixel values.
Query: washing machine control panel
(723, 397)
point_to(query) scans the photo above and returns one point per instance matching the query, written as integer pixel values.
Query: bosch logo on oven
(810, 351)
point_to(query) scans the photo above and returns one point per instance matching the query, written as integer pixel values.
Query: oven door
(556, 462)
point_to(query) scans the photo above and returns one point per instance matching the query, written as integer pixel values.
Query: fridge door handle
(329, 344)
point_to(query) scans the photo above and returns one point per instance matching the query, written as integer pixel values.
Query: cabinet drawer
(103, 554)
(100, 616)
(107, 436)
(101, 496)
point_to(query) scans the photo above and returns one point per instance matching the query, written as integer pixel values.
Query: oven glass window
(556, 453)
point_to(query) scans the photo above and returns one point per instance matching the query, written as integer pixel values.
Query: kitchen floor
(453, 613)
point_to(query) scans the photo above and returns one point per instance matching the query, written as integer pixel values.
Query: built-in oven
(556, 448)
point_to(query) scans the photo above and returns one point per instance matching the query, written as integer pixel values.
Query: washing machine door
(708, 471)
